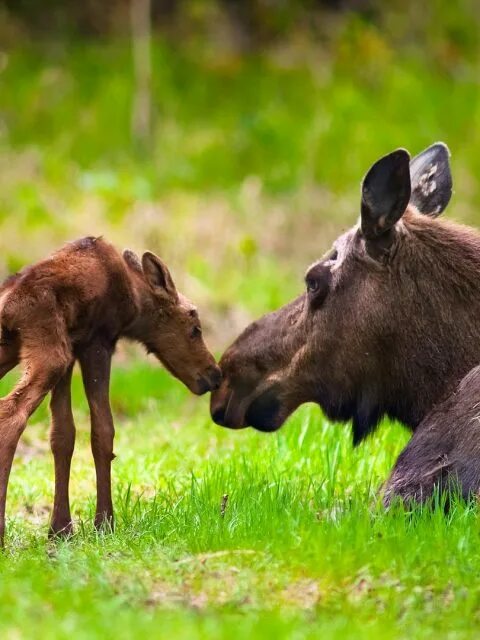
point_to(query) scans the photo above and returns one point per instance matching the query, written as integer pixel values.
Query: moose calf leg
(95, 364)
(41, 373)
(62, 442)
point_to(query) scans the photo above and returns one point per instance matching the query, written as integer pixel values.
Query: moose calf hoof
(104, 523)
(60, 530)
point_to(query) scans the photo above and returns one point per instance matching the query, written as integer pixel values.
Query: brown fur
(76, 305)
(388, 325)
(444, 452)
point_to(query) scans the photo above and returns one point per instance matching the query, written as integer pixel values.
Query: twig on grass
(223, 505)
(203, 557)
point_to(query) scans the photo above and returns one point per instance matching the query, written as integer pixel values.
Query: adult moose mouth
(264, 413)
(226, 411)
(260, 410)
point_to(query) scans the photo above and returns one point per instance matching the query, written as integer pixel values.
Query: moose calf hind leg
(12, 425)
(15, 409)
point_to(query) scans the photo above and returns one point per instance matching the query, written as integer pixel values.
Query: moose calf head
(169, 326)
(388, 322)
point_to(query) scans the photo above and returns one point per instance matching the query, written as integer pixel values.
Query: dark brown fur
(76, 305)
(444, 452)
(388, 325)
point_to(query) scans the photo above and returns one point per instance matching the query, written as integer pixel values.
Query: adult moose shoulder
(388, 325)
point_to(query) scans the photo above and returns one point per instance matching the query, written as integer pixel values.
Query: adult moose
(388, 325)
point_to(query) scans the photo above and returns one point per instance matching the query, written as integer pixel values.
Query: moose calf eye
(196, 332)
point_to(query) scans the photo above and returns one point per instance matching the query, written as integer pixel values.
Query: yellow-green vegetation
(253, 167)
(223, 534)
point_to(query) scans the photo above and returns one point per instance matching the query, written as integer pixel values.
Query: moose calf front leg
(62, 442)
(95, 364)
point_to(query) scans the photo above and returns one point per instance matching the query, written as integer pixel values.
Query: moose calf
(72, 306)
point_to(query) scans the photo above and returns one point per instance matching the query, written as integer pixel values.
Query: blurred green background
(265, 114)
(231, 137)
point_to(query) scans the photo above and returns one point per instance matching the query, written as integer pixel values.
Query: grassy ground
(254, 167)
(224, 533)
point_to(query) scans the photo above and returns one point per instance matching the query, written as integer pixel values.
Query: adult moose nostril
(218, 416)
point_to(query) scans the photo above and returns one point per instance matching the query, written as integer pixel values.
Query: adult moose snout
(252, 392)
(221, 407)
(263, 412)
(219, 404)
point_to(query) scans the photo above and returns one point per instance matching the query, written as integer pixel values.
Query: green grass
(302, 547)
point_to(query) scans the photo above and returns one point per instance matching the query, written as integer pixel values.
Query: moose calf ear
(431, 180)
(157, 274)
(385, 193)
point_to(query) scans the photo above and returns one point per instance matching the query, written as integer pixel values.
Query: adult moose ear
(386, 192)
(431, 180)
(157, 274)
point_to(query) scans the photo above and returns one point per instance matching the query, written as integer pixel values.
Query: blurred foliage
(256, 152)
(253, 20)
(252, 23)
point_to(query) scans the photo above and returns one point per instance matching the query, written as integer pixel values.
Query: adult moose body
(388, 326)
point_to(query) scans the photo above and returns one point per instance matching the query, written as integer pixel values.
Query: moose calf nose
(208, 381)
(214, 376)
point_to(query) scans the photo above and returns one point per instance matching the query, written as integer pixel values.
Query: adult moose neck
(436, 273)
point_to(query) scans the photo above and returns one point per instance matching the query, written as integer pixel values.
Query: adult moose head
(388, 324)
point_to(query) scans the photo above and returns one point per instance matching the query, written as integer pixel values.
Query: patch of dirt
(304, 594)
(203, 557)
(200, 590)
(35, 514)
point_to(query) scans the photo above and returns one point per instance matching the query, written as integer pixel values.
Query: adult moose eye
(317, 280)
(313, 285)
